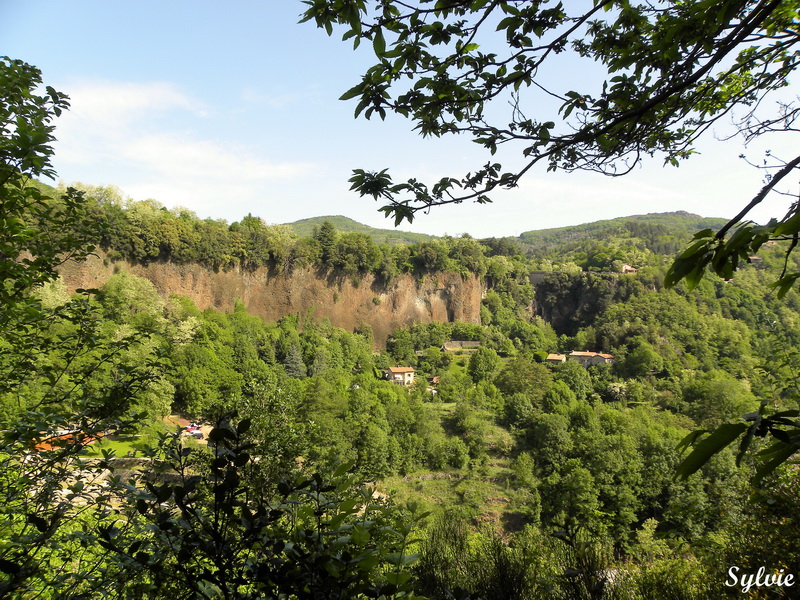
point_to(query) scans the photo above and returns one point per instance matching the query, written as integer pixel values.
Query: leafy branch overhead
(783, 426)
(709, 249)
(597, 89)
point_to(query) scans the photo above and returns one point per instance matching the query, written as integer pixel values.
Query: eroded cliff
(437, 297)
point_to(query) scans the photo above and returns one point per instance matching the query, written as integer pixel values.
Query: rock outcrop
(270, 295)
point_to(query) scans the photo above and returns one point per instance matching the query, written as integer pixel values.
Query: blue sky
(232, 108)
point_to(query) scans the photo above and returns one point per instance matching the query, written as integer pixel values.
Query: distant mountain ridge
(662, 233)
(679, 220)
(305, 228)
(664, 230)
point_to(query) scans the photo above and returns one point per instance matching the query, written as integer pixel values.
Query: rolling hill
(305, 227)
(663, 233)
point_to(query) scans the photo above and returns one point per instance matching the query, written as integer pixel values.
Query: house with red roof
(587, 359)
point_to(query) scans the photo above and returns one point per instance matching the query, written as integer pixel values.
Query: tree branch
(760, 196)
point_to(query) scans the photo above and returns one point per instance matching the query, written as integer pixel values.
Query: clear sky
(229, 108)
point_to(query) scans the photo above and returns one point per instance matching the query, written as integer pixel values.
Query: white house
(400, 375)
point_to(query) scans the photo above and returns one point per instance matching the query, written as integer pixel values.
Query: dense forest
(504, 470)
(526, 470)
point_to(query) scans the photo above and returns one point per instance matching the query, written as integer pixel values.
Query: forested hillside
(541, 477)
(660, 233)
(305, 228)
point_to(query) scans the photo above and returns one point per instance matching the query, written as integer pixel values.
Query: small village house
(587, 359)
(556, 359)
(400, 375)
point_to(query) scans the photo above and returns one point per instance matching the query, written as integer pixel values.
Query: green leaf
(354, 91)
(779, 453)
(344, 468)
(690, 440)
(723, 436)
(694, 276)
(398, 578)
(693, 249)
(379, 43)
(38, 522)
(10, 567)
(789, 226)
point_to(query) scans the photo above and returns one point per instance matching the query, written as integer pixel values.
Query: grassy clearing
(130, 445)
(442, 409)
(122, 445)
(483, 493)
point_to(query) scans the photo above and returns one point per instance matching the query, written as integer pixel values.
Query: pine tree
(326, 236)
(293, 363)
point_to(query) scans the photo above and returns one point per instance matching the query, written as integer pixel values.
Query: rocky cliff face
(438, 297)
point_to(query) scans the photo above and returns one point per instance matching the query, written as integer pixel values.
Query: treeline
(660, 233)
(576, 449)
(145, 231)
(591, 452)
